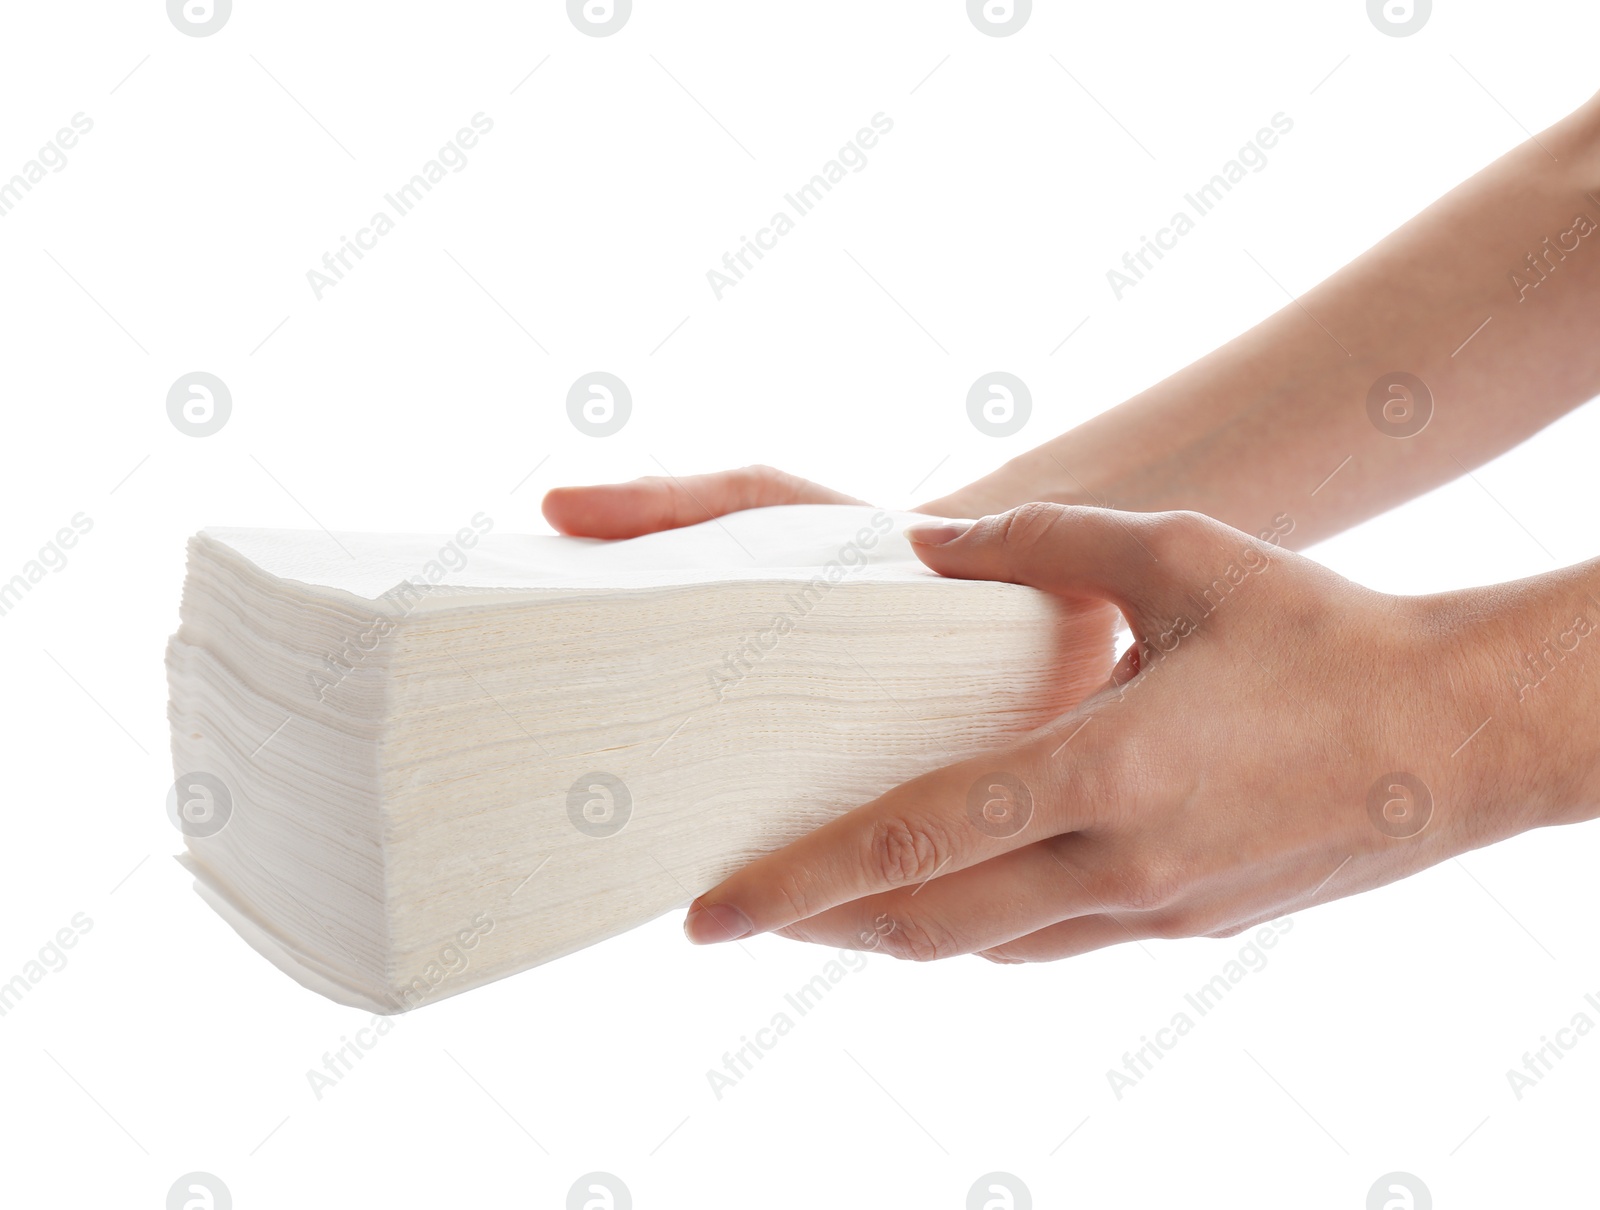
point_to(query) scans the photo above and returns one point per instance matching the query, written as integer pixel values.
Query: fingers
(644, 506)
(937, 824)
(1067, 939)
(1218, 912)
(1150, 565)
(974, 909)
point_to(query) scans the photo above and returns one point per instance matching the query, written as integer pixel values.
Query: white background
(412, 396)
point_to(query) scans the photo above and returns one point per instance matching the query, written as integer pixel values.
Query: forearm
(1276, 423)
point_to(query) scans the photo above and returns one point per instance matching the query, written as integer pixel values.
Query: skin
(1277, 736)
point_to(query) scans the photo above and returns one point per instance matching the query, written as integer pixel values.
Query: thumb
(1151, 566)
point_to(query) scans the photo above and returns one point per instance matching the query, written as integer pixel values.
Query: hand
(644, 506)
(1276, 736)
(626, 510)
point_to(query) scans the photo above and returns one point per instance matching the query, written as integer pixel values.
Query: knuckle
(748, 485)
(919, 941)
(1175, 534)
(759, 485)
(1177, 923)
(901, 850)
(1183, 921)
(1027, 525)
(758, 472)
(1169, 928)
(1189, 527)
(769, 479)
(1139, 887)
(1001, 957)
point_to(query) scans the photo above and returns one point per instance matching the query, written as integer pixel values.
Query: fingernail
(936, 533)
(719, 922)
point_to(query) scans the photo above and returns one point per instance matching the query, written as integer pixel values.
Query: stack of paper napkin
(409, 765)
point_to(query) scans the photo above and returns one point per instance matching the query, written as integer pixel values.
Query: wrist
(1552, 691)
(1528, 674)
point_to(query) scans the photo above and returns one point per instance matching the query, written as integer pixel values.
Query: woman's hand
(644, 506)
(1275, 737)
